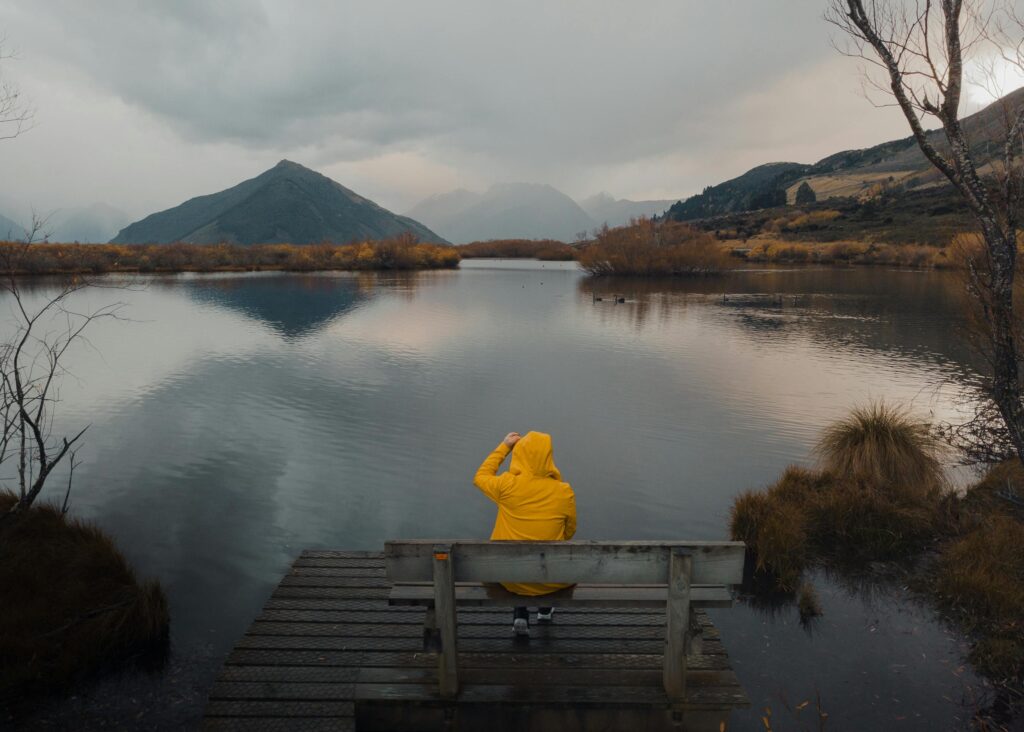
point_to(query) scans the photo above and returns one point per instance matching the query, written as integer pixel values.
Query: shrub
(647, 248)
(72, 604)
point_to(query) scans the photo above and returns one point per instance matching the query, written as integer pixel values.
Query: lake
(239, 419)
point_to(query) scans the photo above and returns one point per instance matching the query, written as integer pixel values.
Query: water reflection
(293, 305)
(220, 448)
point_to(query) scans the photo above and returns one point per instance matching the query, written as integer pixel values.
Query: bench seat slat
(653, 596)
(713, 563)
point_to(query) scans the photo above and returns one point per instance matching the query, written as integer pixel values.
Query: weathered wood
(277, 708)
(331, 643)
(259, 677)
(444, 607)
(677, 623)
(553, 631)
(617, 596)
(279, 724)
(492, 616)
(319, 660)
(714, 563)
(539, 644)
(697, 697)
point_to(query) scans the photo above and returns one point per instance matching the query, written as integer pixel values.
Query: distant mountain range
(10, 230)
(286, 204)
(898, 164)
(525, 211)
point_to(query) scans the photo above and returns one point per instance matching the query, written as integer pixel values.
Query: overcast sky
(143, 105)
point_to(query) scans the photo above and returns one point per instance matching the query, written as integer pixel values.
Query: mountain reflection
(293, 305)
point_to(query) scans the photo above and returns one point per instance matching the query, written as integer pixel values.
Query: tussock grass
(71, 603)
(886, 450)
(878, 495)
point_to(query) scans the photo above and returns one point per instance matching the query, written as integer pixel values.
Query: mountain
(898, 165)
(9, 230)
(286, 204)
(505, 211)
(604, 209)
(89, 224)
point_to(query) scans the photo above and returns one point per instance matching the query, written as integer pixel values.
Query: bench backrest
(590, 562)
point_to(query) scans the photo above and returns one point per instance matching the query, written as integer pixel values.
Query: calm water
(237, 420)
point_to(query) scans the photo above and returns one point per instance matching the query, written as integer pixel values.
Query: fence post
(444, 607)
(677, 624)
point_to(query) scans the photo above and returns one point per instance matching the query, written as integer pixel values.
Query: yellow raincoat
(533, 502)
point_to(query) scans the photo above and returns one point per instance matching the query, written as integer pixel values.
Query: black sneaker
(545, 614)
(521, 621)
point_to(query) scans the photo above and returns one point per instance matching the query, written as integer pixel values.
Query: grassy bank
(401, 253)
(546, 249)
(71, 603)
(651, 248)
(780, 251)
(878, 494)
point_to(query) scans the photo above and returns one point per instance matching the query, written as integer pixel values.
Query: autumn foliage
(648, 247)
(402, 252)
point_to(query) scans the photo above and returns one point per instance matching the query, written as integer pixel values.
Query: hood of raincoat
(532, 456)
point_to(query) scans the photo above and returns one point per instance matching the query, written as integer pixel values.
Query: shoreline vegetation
(646, 248)
(878, 495)
(399, 253)
(73, 606)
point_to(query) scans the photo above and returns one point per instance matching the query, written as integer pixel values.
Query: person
(534, 504)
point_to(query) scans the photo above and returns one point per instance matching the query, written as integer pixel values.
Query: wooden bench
(676, 576)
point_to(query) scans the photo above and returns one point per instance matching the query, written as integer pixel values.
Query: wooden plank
(697, 697)
(380, 606)
(444, 607)
(262, 708)
(677, 623)
(331, 593)
(714, 563)
(281, 690)
(312, 684)
(485, 645)
(491, 617)
(299, 571)
(313, 661)
(614, 632)
(637, 596)
(339, 554)
(279, 724)
(295, 580)
(309, 562)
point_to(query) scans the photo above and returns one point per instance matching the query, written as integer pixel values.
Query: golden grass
(774, 250)
(546, 249)
(884, 448)
(402, 252)
(71, 603)
(653, 248)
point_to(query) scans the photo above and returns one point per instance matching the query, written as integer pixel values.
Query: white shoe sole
(545, 618)
(520, 626)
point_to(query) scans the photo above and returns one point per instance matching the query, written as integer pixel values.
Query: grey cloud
(586, 81)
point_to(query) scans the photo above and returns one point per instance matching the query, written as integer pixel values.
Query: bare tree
(15, 114)
(31, 369)
(31, 359)
(920, 47)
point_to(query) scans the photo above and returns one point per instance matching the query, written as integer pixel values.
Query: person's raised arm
(487, 479)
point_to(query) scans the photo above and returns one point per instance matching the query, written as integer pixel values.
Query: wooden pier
(329, 653)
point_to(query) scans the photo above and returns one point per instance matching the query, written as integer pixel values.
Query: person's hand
(511, 439)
